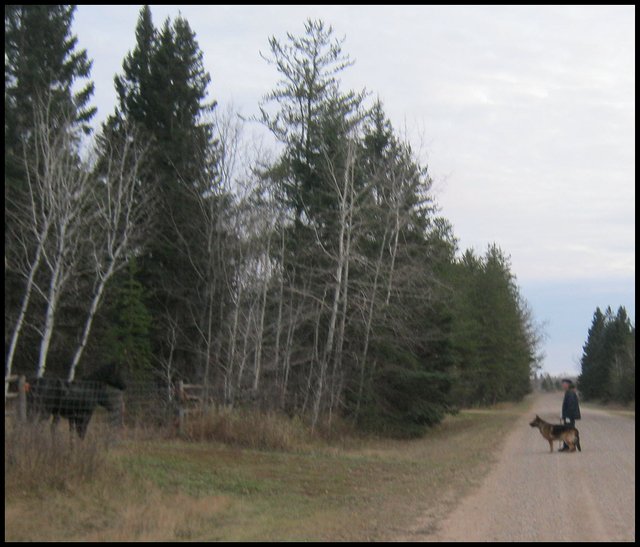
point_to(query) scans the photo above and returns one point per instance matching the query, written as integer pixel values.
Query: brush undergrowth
(38, 458)
(247, 429)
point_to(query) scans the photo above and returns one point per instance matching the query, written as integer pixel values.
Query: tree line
(317, 278)
(608, 363)
(548, 383)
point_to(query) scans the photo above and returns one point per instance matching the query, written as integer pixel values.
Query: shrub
(246, 428)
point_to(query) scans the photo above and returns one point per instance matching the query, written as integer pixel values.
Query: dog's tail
(578, 441)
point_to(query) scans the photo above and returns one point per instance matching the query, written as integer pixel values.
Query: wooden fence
(189, 398)
(20, 395)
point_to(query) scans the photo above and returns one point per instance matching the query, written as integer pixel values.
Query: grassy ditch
(619, 409)
(346, 489)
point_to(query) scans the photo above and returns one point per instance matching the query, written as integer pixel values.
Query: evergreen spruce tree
(593, 358)
(134, 88)
(127, 336)
(312, 116)
(315, 121)
(162, 91)
(621, 380)
(468, 328)
(42, 63)
(494, 352)
(411, 355)
(608, 358)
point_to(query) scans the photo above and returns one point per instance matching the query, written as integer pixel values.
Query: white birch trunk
(337, 363)
(394, 250)
(55, 288)
(280, 305)
(15, 335)
(258, 356)
(343, 193)
(95, 302)
(119, 221)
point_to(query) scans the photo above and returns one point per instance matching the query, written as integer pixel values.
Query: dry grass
(60, 487)
(247, 429)
(295, 487)
(38, 459)
(157, 518)
(620, 409)
(116, 505)
(253, 429)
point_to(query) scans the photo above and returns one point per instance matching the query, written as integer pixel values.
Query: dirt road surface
(534, 495)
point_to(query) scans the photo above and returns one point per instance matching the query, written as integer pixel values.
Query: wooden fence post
(180, 400)
(122, 410)
(22, 399)
(117, 415)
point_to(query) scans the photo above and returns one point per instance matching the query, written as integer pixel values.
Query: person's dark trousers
(572, 423)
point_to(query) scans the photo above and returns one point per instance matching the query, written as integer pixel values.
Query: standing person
(570, 406)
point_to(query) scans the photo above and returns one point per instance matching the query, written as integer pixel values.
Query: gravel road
(534, 495)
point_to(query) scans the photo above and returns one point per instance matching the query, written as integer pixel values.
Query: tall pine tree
(590, 379)
(608, 357)
(162, 91)
(128, 325)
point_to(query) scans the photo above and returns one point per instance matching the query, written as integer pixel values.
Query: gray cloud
(526, 113)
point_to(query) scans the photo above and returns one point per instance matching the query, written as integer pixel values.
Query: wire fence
(141, 405)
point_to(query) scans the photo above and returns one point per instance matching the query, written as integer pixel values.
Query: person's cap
(567, 381)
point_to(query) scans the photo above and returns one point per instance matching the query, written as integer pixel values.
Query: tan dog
(551, 432)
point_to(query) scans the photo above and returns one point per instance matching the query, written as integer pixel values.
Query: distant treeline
(316, 278)
(546, 382)
(609, 358)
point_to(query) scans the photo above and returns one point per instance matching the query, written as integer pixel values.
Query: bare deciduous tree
(72, 220)
(59, 188)
(118, 222)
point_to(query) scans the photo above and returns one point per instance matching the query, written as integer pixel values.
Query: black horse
(76, 400)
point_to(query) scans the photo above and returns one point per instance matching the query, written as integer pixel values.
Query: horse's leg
(71, 427)
(80, 429)
(83, 424)
(54, 422)
(73, 424)
(72, 433)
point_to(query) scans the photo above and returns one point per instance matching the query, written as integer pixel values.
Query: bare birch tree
(60, 206)
(30, 230)
(119, 222)
(341, 178)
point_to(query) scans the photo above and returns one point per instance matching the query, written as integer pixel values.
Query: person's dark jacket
(570, 406)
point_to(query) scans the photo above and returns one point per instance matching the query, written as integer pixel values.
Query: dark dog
(552, 432)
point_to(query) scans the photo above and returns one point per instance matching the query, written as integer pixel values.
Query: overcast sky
(525, 116)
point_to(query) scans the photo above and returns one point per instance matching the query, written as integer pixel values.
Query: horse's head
(117, 380)
(109, 374)
(106, 400)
